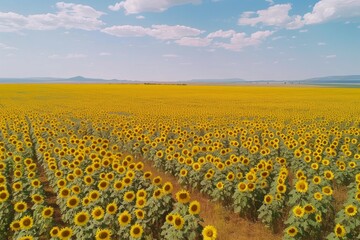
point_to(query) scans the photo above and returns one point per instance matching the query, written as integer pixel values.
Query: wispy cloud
(330, 56)
(68, 56)
(68, 16)
(139, 6)
(4, 46)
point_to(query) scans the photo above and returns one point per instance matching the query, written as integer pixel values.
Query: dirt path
(228, 224)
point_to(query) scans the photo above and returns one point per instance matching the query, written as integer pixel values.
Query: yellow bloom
(97, 213)
(65, 233)
(301, 186)
(81, 218)
(339, 230)
(292, 231)
(20, 207)
(268, 199)
(47, 212)
(103, 234)
(26, 222)
(209, 233)
(136, 231)
(111, 208)
(351, 210)
(178, 222)
(194, 207)
(298, 211)
(183, 196)
(124, 218)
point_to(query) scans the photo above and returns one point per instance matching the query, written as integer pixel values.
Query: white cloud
(326, 10)
(140, 17)
(221, 34)
(276, 15)
(170, 56)
(271, 2)
(194, 42)
(3, 46)
(330, 56)
(303, 31)
(105, 54)
(68, 56)
(321, 44)
(322, 11)
(241, 40)
(138, 6)
(163, 32)
(68, 16)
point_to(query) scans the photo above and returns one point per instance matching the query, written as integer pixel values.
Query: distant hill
(77, 79)
(348, 79)
(218, 81)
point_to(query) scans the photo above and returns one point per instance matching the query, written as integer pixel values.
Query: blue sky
(169, 40)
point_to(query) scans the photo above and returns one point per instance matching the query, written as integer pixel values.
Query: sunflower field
(73, 160)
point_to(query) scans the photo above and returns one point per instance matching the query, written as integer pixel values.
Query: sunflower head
(103, 234)
(291, 231)
(339, 230)
(268, 199)
(129, 196)
(140, 214)
(15, 225)
(98, 213)
(26, 222)
(111, 208)
(72, 202)
(47, 212)
(298, 211)
(20, 207)
(194, 207)
(136, 231)
(54, 232)
(81, 218)
(124, 218)
(301, 186)
(351, 210)
(209, 233)
(178, 222)
(183, 196)
(65, 233)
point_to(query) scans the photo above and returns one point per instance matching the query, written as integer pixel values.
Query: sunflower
(140, 202)
(329, 175)
(140, 214)
(268, 199)
(209, 233)
(168, 187)
(17, 186)
(64, 192)
(309, 208)
(183, 172)
(136, 231)
(318, 196)
(339, 230)
(281, 188)
(292, 231)
(301, 186)
(327, 190)
(170, 218)
(242, 187)
(61, 183)
(103, 185)
(158, 193)
(357, 196)
(94, 195)
(298, 211)
(103, 234)
(47, 212)
(178, 222)
(127, 181)
(65, 233)
(157, 181)
(85, 201)
(129, 196)
(124, 218)
(111, 208)
(351, 210)
(15, 225)
(97, 213)
(54, 232)
(75, 189)
(28, 237)
(20, 207)
(316, 179)
(194, 207)
(72, 202)
(183, 196)
(118, 185)
(88, 180)
(26, 222)
(318, 218)
(81, 218)
(141, 193)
